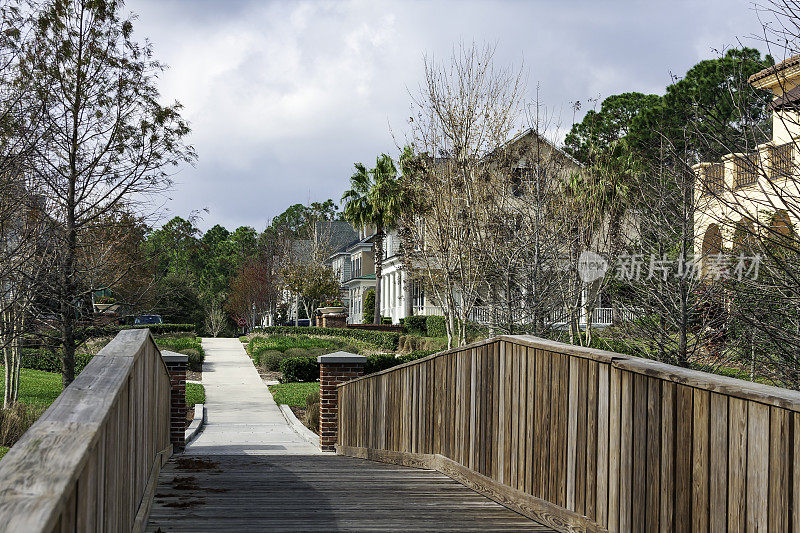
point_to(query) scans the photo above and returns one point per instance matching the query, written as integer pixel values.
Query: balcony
(745, 170)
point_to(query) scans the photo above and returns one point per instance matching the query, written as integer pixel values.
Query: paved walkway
(243, 419)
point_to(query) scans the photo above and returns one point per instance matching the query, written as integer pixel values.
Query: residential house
(747, 191)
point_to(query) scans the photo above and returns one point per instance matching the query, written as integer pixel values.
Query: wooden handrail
(86, 464)
(586, 439)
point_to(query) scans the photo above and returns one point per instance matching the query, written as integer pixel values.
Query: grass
(293, 394)
(195, 393)
(3, 451)
(36, 387)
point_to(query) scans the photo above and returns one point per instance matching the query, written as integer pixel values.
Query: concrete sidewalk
(242, 416)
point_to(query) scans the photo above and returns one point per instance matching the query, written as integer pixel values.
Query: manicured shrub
(386, 320)
(435, 326)
(416, 354)
(382, 339)
(189, 346)
(416, 325)
(376, 363)
(299, 369)
(369, 307)
(41, 359)
(155, 329)
(270, 360)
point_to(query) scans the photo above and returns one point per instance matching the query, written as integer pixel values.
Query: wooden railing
(583, 439)
(91, 461)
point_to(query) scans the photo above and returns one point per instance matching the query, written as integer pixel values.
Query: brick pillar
(176, 366)
(334, 368)
(334, 321)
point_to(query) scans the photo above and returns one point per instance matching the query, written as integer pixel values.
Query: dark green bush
(155, 329)
(416, 354)
(296, 369)
(383, 339)
(435, 327)
(369, 307)
(40, 359)
(189, 346)
(376, 363)
(416, 325)
(386, 320)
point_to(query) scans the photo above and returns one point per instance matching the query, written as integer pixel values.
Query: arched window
(744, 235)
(712, 240)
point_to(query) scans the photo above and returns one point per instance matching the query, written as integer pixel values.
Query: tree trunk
(378, 252)
(408, 304)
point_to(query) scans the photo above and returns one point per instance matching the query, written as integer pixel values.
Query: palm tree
(374, 199)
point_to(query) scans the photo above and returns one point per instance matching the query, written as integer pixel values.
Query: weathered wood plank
(615, 412)
(591, 440)
(700, 461)
(652, 509)
(603, 480)
(683, 458)
(348, 494)
(779, 474)
(82, 442)
(668, 425)
(757, 466)
(572, 432)
(737, 464)
(718, 480)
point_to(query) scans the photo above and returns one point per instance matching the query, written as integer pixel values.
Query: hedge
(48, 362)
(416, 325)
(435, 326)
(382, 339)
(155, 329)
(296, 369)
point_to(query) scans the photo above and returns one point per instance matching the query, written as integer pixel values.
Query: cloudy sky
(283, 97)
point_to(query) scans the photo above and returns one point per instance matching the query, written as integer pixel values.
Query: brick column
(334, 368)
(176, 366)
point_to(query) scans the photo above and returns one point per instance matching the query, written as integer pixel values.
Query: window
(745, 170)
(715, 179)
(516, 182)
(781, 161)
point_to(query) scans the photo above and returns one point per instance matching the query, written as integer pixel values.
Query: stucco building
(756, 192)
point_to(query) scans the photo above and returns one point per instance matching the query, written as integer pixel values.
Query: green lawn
(35, 386)
(293, 393)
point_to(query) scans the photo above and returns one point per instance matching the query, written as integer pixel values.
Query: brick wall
(334, 369)
(176, 366)
(334, 321)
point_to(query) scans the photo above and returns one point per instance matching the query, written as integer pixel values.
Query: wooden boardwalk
(318, 493)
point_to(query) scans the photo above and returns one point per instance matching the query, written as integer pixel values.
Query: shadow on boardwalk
(318, 493)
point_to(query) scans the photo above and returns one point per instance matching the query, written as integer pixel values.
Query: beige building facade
(757, 192)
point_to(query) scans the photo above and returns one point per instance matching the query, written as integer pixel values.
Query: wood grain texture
(757, 466)
(80, 466)
(325, 493)
(629, 444)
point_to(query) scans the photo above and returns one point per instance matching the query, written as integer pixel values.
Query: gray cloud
(283, 97)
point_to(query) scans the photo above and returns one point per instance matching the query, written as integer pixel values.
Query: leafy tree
(593, 136)
(726, 113)
(109, 141)
(295, 221)
(374, 199)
